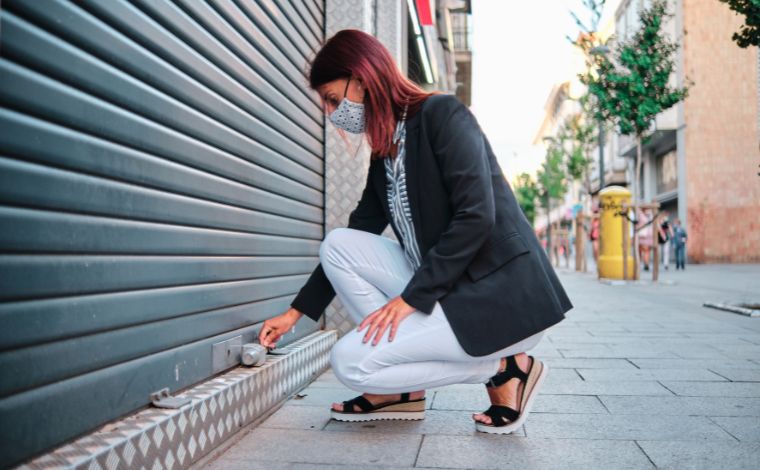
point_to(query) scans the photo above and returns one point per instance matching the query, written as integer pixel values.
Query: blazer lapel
(412, 164)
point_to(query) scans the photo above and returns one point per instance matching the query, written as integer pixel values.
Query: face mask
(349, 116)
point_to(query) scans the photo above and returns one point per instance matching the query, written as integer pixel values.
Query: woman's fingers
(368, 319)
(374, 324)
(383, 326)
(394, 328)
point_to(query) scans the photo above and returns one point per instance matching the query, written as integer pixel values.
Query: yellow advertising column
(610, 263)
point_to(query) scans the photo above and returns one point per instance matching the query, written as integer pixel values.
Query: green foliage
(526, 193)
(634, 88)
(551, 179)
(749, 32)
(577, 138)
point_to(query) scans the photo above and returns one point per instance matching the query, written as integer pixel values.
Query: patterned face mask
(349, 116)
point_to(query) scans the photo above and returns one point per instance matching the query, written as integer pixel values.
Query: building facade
(701, 162)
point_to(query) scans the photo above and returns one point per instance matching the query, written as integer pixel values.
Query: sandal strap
(404, 397)
(363, 403)
(505, 414)
(511, 371)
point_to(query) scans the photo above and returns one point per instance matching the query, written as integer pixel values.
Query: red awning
(423, 12)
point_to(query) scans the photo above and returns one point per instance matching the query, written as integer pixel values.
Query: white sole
(514, 426)
(378, 416)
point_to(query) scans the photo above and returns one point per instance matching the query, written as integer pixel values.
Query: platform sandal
(504, 419)
(403, 409)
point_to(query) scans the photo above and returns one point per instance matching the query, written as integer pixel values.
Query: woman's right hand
(275, 327)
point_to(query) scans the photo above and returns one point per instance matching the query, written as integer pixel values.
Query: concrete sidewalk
(640, 375)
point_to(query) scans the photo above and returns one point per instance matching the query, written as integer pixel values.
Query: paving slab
(571, 363)
(606, 388)
(499, 452)
(227, 464)
(625, 427)
(738, 375)
(327, 447)
(640, 375)
(607, 351)
(298, 417)
(544, 403)
(725, 455)
(692, 363)
(742, 428)
(713, 389)
(682, 406)
(703, 375)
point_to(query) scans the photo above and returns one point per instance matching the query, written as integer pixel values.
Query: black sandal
(403, 409)
(505, 419)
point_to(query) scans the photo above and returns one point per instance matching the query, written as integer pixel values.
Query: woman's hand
(389, 314)
(275, 327)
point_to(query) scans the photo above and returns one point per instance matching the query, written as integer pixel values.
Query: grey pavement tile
(298, 417)
(743, 428)
(701, 455)
(436, 422)
(738, 375)
(665, 363)
(651, 335)
(754, 339)
(543, 404)
(606, 388)
(741, 352)
(698, 352)
(625, 427)
(544, 352)
(328, 447)
(650, 374)
(226, 464)
(499, 452)
(714, 389)
(607, 351)
(682, 406)
(555, 364)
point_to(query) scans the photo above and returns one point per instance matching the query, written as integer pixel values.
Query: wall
(721, 143)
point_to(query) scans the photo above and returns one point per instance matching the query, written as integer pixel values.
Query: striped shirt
(398, 200)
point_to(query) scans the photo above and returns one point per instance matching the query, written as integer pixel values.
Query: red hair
(354, 53)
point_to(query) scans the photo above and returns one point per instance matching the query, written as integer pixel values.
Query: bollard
(614, 251)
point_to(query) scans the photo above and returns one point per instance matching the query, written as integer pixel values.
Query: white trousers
(367, 271)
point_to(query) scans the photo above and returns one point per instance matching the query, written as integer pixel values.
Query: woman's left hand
(389, 314)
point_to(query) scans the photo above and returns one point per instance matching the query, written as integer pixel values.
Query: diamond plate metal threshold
(218, 408)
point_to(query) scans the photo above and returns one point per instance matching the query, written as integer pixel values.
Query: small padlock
(253, 354)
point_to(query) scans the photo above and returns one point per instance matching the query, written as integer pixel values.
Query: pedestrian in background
(645, 236)
(679, 242)
(466, 290)
(593, 234)
(664, 236)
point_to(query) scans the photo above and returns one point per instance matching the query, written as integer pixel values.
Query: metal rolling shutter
(161, 190)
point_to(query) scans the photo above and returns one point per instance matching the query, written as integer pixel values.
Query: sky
(519, 52)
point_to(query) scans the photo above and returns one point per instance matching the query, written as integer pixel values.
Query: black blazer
(480, 257)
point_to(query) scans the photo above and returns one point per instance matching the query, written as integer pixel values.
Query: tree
(577, 139)
(749, 32)
(526, 193)
(588, 30)
(634, 89)
(551, 185)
